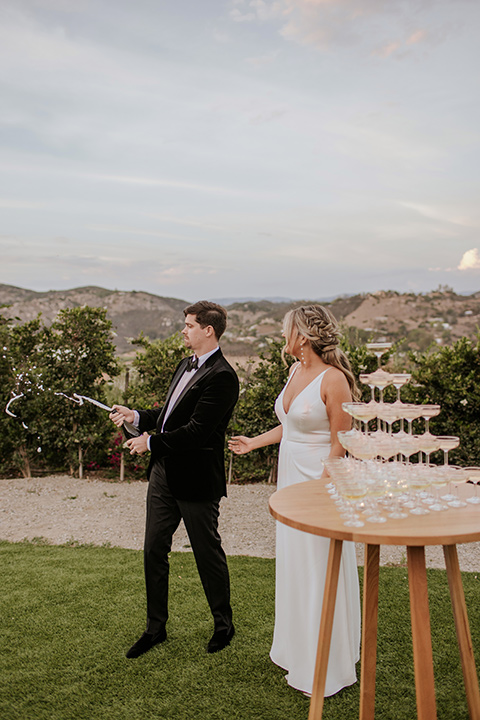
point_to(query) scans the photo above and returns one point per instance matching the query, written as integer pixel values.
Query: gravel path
(63, 509)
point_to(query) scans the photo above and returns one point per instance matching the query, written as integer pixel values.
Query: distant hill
(130, 312)
(440, 316)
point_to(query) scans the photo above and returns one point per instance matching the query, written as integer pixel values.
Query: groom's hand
(138, 445)
(120, 414)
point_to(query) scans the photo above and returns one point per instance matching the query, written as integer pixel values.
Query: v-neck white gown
(301, 560)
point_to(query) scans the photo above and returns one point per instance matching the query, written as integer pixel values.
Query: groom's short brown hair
(209, 313)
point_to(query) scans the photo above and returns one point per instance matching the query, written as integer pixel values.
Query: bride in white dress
(309, 409)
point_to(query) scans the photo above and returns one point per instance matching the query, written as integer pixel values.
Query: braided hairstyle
(317, 325)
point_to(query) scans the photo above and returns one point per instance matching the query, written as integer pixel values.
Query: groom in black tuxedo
(187, 473)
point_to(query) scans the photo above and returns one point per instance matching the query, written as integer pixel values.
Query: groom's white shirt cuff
(202, 359)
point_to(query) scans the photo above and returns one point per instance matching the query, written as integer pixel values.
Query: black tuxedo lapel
(207, 365)
(196, 377)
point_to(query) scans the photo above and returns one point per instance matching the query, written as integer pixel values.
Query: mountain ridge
(441, 316)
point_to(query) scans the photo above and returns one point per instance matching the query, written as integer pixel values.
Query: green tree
(361, 360)
(154, 365)
(449, 377)
(23, 393)
(260, 385)
(79, 357)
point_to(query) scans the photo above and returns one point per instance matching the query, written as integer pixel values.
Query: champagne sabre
(130, 430)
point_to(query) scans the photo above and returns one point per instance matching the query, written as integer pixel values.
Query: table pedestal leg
(369, 632)
(421, 635)
(325, 634)
(463, 630)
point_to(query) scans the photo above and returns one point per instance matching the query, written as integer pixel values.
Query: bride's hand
(239, 444)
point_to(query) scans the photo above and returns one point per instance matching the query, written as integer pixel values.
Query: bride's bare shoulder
(334, 374)
(334, 379)
(293, 368)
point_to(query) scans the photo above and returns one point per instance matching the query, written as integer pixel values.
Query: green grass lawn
(70, 613)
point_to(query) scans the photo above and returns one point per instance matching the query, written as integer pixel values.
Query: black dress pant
(164, 513)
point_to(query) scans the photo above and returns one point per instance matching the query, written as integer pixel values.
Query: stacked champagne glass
(379, 479)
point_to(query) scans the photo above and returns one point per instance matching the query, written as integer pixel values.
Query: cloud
(238, 16)
(255, 10)
(388, 50)
(401, 46)
(40, 263)
(183, 272)
(164, 182)
(416, 37)
(12, 204)
(192, 223)
(261, 60)
(328, 23)
(443, 214)
(470, 260)
(267, 116)
(134, 231)
(221, 37)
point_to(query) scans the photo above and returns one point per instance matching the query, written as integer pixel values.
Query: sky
(240, 148)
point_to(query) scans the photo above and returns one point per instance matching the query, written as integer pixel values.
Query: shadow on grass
(70, 613)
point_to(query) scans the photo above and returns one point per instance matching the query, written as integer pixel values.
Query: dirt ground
(61, 509)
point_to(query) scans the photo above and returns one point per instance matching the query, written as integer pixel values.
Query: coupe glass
(379, 349)
(419, 479)
(381, 380)
(378, 379)
(365, 448)
(386, 445)
(333, 467)
(351, 490)
(358, 444)
(428, 443)
(348, 488)
(396, 484)
(439, 479)
(457, 475)
(345, 438)
(411, 412)
(376, 488)
(330, 485)
(365, 378)
(399, 380)
(447, 443)
(361, 411)
(473, 476)
(389, 413)
(408, 445)
(453, 474)
(429, 411)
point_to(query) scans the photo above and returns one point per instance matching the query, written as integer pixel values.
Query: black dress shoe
(146, 643)
(220, 639)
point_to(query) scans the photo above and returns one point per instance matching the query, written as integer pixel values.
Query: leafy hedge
(76, 354)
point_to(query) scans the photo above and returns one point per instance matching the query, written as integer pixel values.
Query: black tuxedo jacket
(193, 439)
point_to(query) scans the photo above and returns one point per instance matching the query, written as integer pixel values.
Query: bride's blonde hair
(317, 325)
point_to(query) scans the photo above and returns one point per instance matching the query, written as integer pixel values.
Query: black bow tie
(192, 363)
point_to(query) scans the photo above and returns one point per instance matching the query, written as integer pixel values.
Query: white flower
(464, 401)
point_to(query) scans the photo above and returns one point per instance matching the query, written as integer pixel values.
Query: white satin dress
(301, 560)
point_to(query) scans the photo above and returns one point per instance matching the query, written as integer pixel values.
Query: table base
(421, 634)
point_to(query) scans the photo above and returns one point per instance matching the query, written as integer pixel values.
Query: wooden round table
(308, 507)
